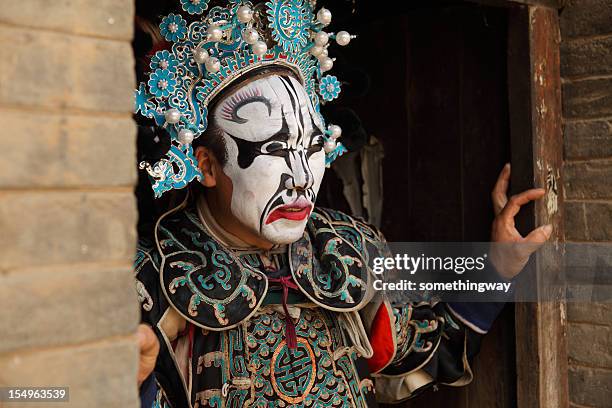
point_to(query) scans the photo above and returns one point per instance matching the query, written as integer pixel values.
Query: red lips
(296, 211)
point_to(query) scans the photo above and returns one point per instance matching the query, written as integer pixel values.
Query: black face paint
(276, 200)
(248, 151)
(234, 114)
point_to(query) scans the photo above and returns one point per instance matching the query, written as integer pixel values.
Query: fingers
(515, 202)
(499, 195)
(149, 348)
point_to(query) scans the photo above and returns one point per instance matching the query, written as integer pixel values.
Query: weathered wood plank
(554, 4)
(535, 119)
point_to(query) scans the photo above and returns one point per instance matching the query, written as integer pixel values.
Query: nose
(301, 176)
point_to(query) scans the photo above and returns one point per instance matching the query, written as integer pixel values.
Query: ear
(208, 165)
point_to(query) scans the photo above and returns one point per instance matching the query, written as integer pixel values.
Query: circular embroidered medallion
(293, 372)
(289, 21)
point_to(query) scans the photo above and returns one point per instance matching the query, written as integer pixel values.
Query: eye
(316, 144)
(274, 148)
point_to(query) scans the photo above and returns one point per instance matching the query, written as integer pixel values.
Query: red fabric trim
(381, 339)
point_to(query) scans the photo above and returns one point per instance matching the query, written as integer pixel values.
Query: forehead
(258, 109)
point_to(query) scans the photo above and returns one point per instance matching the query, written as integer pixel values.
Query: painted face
(274, 142)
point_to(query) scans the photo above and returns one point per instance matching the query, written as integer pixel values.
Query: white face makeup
(274, 140)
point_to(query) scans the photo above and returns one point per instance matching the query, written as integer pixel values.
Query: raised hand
(510, 259)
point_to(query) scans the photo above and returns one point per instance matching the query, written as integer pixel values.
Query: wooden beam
(556, 4)
(537, 154)
(553, 4)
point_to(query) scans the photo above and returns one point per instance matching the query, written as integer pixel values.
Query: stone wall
(586, 68)
(67, 212)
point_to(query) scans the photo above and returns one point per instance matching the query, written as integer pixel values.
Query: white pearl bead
(343, 38)
(245, 14)
(250, 36)
(172, 116)
(324, 16)
(316, 50)
(214, 33)
(200, 55)
(335, 131)
(324, 53)
(212, 64)
(259, 48)
(321, 38)
(326, 64)
(185, 136)
(329, 146)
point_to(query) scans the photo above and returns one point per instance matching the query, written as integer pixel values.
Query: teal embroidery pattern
(310, 376)
(207, 283)
(331, 262)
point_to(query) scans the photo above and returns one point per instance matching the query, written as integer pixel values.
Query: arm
(435, 344)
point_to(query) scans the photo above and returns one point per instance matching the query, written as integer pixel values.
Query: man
(254, 296)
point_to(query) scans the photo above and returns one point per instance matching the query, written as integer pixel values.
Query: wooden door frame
(534, 91)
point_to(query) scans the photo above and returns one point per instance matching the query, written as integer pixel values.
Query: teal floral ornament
(163, 175)
(173, 27)
(142, 102)
(290, 22)
(221, 44)
(164, 60)
(194, 6)
(162, 83)
(329, 87)
(334, 154)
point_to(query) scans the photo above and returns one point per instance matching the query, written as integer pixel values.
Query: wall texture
(586, 68)
(67, 212)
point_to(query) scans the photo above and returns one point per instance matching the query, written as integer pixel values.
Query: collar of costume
(214, 287)
(211, 49)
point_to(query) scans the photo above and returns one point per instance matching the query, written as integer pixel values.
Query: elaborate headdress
(218, 46)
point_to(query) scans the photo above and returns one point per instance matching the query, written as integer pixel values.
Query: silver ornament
(335, 131)
(185, 136)
(245, 14)
(212, 64)
(172, 116)
(343, 38)
(324, 16)
(329, 146)
(326, 64)
(200, 55)
(321, 38)
(259, 48)
(214, 33)
(250, 36)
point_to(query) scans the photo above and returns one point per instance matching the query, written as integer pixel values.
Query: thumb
(536, 239)
(540, 235)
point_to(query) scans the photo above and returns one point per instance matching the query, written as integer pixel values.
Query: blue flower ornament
(194, 6)
(209, 48)
(173, 27)
(329, 87)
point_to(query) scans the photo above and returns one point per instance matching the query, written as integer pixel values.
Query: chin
(284, 231)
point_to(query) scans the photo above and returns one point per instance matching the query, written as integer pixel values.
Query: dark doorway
(438, 101)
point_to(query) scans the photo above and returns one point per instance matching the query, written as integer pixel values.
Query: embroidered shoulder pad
(332, 262)
(206, 283)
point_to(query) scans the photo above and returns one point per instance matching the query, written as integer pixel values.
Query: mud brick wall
(67, 211)
(586, 69)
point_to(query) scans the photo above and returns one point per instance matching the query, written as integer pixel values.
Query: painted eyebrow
(230, 108)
